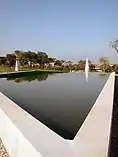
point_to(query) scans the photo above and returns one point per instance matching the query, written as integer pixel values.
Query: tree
(81, 65)
(21, 56)
(17, 53)
(11, 59)
(114, 44)
(109, 69)
(115, 68)
(3, 60)
(58, 62)
(32, 57)
(51, 60)
(92, 67)
(69, 62)
(42, 58)
(104, 63)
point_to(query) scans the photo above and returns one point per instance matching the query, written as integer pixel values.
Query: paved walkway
(113, 150)
(3, 152)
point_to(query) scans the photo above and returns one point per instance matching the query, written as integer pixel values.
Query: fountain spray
(86, 69)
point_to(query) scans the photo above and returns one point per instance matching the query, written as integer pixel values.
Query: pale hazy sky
(68, 29)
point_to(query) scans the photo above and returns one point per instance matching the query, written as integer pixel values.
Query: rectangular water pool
(60, 101)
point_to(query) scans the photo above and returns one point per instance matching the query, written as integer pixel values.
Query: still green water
(60, 101)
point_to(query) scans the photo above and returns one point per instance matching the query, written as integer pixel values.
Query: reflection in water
(102, 74)
(62, 102)
(28, 78)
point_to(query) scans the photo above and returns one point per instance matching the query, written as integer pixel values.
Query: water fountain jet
(86, 69)
(16, 66)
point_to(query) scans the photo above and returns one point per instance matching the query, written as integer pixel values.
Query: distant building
(97, 67)
(52, 64)
(111, 65)
(65, 63)
(98, 70)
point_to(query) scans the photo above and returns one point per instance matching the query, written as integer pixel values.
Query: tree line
(42, 60)
(25, 58)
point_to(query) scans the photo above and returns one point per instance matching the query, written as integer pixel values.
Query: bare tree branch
(114, 45)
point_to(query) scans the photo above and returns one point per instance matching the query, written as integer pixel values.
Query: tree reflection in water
(29, 78)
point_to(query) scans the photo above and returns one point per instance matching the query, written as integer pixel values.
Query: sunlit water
(60, 101)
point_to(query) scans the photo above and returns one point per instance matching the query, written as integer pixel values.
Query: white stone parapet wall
(24, 136)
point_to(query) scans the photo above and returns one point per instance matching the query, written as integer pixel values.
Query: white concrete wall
(16, 144)
(24, 136)
(92, 140)
(17, 123)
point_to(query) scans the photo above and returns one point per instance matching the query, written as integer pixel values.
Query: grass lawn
(12, 69)
(5, 69)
